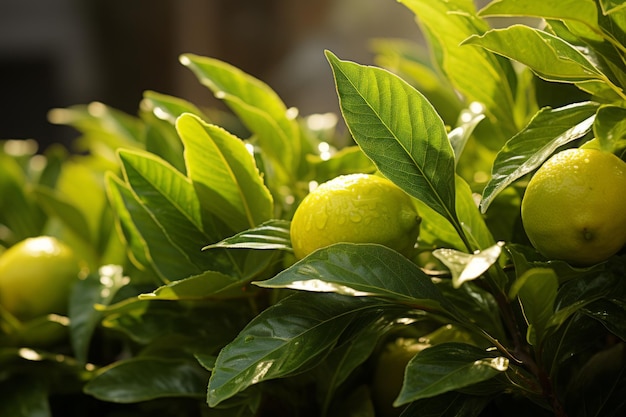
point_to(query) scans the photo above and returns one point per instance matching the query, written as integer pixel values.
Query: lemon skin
(35, 277)
(355, 208)
(574, 207)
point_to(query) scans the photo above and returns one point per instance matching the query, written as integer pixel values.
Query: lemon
(388, 373)
(355, 208)
(35, 277)
(574, 208)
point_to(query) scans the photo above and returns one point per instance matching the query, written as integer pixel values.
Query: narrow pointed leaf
(407, 142)
(361, 270)
(448, 367)
(548, 130)
(209, 284)
(224, 174)
(548, 56)
(256, 104)
(273, 234)
(478, 75)
(290, 337)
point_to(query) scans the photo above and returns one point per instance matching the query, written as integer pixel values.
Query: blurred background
(57, 53)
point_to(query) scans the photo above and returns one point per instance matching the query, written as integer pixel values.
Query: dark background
(57, 53)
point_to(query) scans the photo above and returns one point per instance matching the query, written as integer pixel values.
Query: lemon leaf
(467, 267)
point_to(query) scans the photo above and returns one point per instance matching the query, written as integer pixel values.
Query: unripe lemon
(574, 208)
(35, 277)
(355, 208)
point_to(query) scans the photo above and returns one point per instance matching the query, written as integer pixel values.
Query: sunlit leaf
(547, 131)
(224, 174)
(273, 234)
(408, 142)
(548, 56)
(610, 128)
(467, 267)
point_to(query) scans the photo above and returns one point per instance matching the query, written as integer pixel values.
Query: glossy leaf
(290, 337)
(168, 108)
(224, 174)
(477, 75)
(209, 284)
(548, 56)
(467, 267)
(448, 367)
(408, 143)
(548, 130)
(273, 234)
(145, 378)
(472, 221)
(611, 313)
(361, 270)
(256, 105)
(450, 404)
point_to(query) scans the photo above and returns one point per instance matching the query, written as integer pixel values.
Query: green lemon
(355, 208)
(35, 277)
(574, 208)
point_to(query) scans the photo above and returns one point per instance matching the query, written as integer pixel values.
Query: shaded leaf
(610, 128)
(145, 378)
(290, 337)
(447, 367)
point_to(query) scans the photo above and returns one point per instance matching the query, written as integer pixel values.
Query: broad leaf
(408, 143)
(362, 270)
(610, 128)
(548, 56)
(224, 174)
(448, 367)
(290, 337)
(548, 130)
(145, 378)
(58, 206)
(450, 404)
(209, 284)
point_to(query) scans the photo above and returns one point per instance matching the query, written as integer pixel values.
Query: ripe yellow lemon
(574, 208)
(35, 277)
(355, 208)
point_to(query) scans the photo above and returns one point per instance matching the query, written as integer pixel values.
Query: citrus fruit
(355, 208)
(35, 277)
(574, 208)
(388, 373)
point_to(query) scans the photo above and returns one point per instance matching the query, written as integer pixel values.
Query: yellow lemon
(574, 208)
(355, 208)
(35, 277)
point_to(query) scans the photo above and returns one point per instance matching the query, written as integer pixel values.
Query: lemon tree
(357, 208)
(574, 207)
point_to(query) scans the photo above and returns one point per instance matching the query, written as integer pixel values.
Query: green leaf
(290, 337)
(98, 288)
(209, 284)
(548, 130)
(25, 396)
(407, 143)
(362, 270)
(173, 204)
(582, 11)
(611, 6)
(224, 174)
(146, 378)
(256, 104)
(472, 221)
(449, 404)
(467, 267)
(610, 313)
(273, 234)
(447, 367)
(537, 290)
(610, 128)
(548, 56)
(58, 206)
(168, 108)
